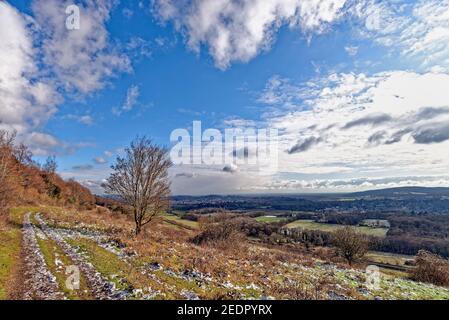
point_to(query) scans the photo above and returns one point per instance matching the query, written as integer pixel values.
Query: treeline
(417, 205)
(24, 181)
(411, 245)
(408, 233)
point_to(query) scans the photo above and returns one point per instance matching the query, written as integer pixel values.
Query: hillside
(58, 241)
(26, 182)
(163, 263)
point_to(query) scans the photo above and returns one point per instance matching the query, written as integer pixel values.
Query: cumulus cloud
(239, 30)
(371, 120)
(81, 60)
(131, 99)
(83, 119)
(41, 60)
(345, 130)
(352, 50)
(418, 30)
(27, 103)
(432, 133)
(231, 168)
(304, 145)
(100, 160)
(388, 123)
(95, 186)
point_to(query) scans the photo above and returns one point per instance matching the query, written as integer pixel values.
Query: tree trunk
(138, 228)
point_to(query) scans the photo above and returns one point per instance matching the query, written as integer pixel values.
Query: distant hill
(404, 192)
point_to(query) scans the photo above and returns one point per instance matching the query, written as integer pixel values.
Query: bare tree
(140, 179)
(6, 149)
(50, 165)
(349, 244)
(23, 154)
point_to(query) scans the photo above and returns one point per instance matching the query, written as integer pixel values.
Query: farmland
(326, 227)
(270, 219)
(174, 219)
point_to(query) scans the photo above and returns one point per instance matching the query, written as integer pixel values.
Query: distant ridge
(388, 192)
(404, 191)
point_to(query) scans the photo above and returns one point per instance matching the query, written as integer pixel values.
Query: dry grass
(287, 271)
(171, 247)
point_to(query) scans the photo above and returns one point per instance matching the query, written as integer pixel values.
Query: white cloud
(350, 185)
(100, 160)
(239, 30)
(83, 119)
(350, 131)
(131, 99)
(108, 154)
(419, 30)
(352, 50)
(339, 118)
(40, 59)
(81, 60)
(27, 102)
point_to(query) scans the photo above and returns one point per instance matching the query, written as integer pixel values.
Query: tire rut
(100, 288)
(40, 282)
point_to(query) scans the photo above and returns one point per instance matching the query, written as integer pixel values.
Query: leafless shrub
(349, 244)
(220, 230)
(301, 290)
(431, 268)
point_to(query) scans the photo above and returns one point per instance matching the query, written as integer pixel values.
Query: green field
(388, 258)
(178, 220)
(270, 219)
(312, 225)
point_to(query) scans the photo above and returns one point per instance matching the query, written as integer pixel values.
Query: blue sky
(356, 88)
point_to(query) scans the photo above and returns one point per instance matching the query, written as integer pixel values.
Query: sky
(358, 91)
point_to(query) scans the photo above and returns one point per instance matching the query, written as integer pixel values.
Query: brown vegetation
(219, 230)
(23, 181)
(431, 268)
(349, 244)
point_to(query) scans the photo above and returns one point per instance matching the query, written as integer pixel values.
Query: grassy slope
(261, 266)
(9, 254)
(311, 225)
(126, 275)
(10, 246)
